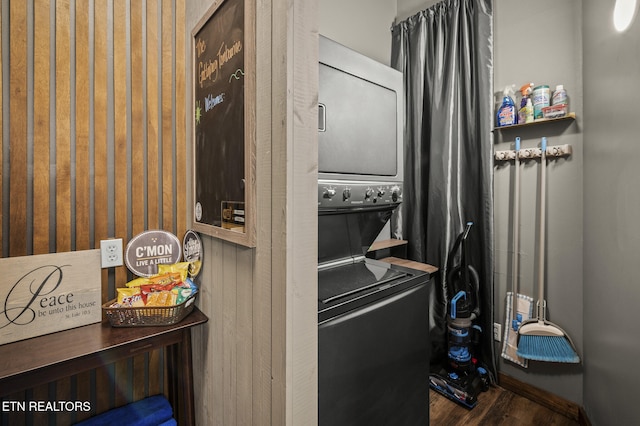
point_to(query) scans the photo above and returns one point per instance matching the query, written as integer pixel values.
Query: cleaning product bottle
(528, 111)
(507, 114)
(525, 90)
(541, 98)
(559, 96)
(525, 113)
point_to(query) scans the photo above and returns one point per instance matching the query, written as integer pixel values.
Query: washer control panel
(357, 194)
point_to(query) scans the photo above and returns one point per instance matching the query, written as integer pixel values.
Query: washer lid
(342, 282)
(346, 234)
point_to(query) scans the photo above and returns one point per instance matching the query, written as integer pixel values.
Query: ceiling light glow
(623, 13)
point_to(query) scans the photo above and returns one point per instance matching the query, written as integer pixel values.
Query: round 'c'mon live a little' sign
(151, 248)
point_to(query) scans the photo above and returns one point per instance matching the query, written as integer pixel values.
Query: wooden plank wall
(255, 361)
(93, 146)
(232, 352)
(294, 149)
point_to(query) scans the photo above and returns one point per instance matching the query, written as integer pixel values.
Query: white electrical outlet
(111, 252)
(497, 331)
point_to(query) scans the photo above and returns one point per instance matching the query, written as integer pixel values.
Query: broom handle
(516, 230)
(541, 243)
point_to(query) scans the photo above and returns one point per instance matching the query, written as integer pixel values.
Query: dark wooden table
(44, 359)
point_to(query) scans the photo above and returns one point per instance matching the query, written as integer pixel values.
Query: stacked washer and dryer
(373, 319)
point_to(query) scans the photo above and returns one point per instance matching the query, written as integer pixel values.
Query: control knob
(395, 193)
(368, 193)
(346, 194)
(329, 192)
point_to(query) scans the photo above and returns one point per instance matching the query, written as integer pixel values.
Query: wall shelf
(569, 117)
(386, 248)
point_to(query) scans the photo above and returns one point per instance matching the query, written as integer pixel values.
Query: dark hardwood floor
(495, 407)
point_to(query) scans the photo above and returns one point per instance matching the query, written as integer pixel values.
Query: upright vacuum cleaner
(461, 379)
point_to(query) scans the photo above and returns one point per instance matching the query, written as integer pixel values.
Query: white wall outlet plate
(111, 252)
(497, 331)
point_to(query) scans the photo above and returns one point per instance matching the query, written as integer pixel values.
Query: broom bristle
(546, 348)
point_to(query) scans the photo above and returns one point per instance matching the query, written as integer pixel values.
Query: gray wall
(361, 25)
(544, 48)
(611, 207)
(408, 8)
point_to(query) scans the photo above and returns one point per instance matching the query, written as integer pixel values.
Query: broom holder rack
(531, 153)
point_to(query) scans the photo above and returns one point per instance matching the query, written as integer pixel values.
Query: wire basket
(148, 315)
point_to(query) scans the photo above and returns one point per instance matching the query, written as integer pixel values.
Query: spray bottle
(507, 113)
(525, 113)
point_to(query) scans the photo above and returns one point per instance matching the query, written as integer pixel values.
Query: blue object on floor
(151, 411)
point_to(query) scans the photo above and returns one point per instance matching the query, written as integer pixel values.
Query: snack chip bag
(189, 283)
(137, 282)
(130, 297)
(181, 268)
(148, 289)
(161, 298)
(185, 290)
(182, 294)
(166, 278)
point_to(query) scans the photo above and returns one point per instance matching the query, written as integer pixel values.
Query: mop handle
(516, 229)
(543, 196)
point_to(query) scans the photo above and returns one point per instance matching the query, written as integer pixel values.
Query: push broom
(539, 339)
(519, 307)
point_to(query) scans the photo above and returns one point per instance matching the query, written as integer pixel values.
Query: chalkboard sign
(223, 122)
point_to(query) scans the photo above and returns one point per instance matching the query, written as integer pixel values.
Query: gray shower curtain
(445, 54)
